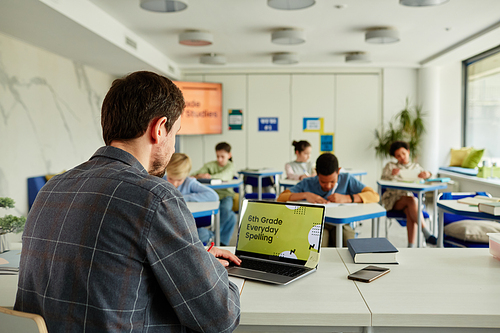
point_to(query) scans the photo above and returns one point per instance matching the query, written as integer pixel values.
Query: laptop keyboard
(272, 268)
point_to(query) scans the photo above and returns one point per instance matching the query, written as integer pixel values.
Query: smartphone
(368, 274)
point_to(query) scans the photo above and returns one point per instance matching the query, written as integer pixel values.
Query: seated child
(300, 168)
(177, 174)
(404, 200)
(222, 168)
(331, 186)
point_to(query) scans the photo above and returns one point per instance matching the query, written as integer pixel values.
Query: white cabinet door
(357, 115)
(268, 96)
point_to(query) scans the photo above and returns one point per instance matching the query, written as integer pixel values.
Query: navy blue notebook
(372, 250)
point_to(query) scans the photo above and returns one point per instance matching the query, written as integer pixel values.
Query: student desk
(419, 189)
(340, 214)
(323, 301)
(209, 208)
(454, 207)
(434, 290)
(261, 174)
(234, 183)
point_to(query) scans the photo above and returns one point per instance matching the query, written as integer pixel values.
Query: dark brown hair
(224, 146)
(396, 145)
(300, 145)
(134, 101)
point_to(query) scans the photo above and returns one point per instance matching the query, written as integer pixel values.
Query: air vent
(130, 42)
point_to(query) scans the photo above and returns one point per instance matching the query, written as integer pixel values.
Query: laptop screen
(280, 231)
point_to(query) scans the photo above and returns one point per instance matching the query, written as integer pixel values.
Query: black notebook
(372, 251)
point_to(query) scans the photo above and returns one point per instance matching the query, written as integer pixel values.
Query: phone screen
(368, 274)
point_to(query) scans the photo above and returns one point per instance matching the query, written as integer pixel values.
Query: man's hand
(340, 198)
(424, 174)
(395, 171)
(314, 198)
(203, 175)
(226, 255)
(303, 176)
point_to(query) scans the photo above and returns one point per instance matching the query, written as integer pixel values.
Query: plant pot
(4, 243)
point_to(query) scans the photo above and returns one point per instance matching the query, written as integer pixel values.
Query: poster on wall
(235, 120)
(203, 112)
(268, 124)
(312, 124)
(326, 142)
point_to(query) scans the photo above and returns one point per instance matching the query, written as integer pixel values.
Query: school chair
(400, 216)
(17, 321)
(460, 239)
(266, 182)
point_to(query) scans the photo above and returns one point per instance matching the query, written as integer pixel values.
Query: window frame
(465, 64)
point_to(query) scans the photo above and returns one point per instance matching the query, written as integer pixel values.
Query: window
(482, 103)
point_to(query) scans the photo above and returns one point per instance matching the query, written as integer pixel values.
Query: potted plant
(9, 223)
(408, 125)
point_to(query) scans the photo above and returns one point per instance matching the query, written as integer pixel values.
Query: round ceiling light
(357, 57)
(164, 6)
(421, 3)
(213, 59)
(290, 4)
(285, 58)
(288, 37)
(196, 38)
(382, 36)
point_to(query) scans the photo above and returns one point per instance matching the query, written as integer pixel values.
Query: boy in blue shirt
(330, 186)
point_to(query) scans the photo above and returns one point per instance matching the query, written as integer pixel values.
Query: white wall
(50, 116)
(349, 102)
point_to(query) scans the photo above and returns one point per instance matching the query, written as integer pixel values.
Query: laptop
(278, 242)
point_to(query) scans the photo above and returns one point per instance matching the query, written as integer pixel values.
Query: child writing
(222, 168)
(177, 174)
(300, 168)
(404, 200)
(330, 186)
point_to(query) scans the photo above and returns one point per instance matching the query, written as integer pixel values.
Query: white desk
(323, 301)
(345, 214)
(434, 290)
(420, 189)
(234, 183)
(454, 207)
(210, 208)
(261, 174)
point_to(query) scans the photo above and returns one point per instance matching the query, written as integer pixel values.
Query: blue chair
(266, 182)
(400, 216)
(451, 218)
(35, 184)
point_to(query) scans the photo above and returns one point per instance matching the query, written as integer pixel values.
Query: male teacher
(331, 186)
(110, 246)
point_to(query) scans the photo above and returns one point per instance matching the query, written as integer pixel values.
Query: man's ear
(158, 129)
(338, 171)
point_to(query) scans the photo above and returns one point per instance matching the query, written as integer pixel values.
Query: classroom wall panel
(357, 112)
(50, 112)
(268, 96)
(201, 148)
(312, 97)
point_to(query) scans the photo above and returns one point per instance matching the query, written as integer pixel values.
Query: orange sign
(203, 112)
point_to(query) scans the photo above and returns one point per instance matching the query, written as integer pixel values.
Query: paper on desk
(409, 174)
(239, 282)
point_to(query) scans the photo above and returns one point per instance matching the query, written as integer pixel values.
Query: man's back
(108, 247)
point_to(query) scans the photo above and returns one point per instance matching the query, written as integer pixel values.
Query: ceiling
(242, 31)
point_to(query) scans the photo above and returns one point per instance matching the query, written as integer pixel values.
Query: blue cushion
(204, 221)
(255, 195)
(462, 171)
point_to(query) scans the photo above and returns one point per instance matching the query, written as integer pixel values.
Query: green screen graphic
(280, 230)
